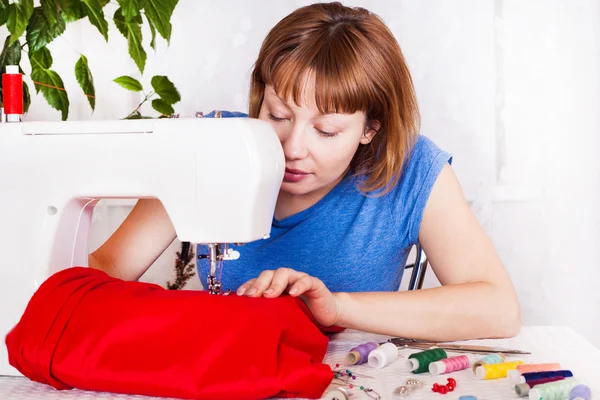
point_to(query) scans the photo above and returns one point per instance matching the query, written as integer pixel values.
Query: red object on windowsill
(84, 329)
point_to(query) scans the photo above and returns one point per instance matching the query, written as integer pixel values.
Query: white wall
(510, 87)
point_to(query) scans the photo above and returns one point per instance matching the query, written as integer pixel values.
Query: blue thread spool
(533, 376)
(580, 392)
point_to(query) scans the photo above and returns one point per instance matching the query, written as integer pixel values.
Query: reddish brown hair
(357, 65)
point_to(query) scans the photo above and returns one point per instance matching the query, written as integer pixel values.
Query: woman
(361, 187)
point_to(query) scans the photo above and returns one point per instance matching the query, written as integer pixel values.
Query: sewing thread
(495, 371)
(515, 374)
(448, 365)
(530, 376)
(360, 354)
(383, 355)
(419, 362)
(12, 93)
(558, 390)
(580, 392)
(523, 389)
(494, 358)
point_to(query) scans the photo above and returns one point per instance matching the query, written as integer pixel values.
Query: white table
(547, 344)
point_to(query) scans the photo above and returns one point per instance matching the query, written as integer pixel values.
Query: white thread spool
(410, 364)
(515, 377)
(383, 355)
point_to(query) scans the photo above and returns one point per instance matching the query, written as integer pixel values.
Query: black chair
(419, 267)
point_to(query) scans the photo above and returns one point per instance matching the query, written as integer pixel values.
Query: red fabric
(83, 329)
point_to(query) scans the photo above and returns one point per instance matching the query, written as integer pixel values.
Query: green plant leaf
(26, 97)
(93, 9)
(18, 18)
(49, 83)
(129, 83)
(162, 107)
(153, 32)
(11, 54)
(4, 10)
(134, 115)
(137, 115)
(159, 12)
(72, 10)
(85, 79)
(132, 31)
(165, 89)
(41, 58)
(50, 8)
(129, 8)
(40, 31)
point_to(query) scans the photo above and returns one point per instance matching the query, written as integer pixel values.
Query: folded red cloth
(83, 329)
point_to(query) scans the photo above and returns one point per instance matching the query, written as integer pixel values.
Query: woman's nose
(294, 145)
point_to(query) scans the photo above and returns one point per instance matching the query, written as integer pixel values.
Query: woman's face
(318, 147)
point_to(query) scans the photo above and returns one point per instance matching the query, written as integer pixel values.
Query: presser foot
(214, 287)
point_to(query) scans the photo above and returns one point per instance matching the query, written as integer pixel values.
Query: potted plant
(31, 29)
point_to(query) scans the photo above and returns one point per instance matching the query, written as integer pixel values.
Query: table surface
(547, 344)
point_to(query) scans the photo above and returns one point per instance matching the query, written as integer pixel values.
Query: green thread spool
(558, 390)
(419, 362)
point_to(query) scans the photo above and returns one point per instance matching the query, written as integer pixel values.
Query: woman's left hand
(322, 303)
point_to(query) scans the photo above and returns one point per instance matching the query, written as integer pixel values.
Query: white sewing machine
(217, 178)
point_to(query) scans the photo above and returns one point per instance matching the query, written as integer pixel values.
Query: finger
(302, 285)
(242, 289)
(261, 284)
(280, 282)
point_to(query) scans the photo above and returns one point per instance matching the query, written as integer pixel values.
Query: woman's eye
(274, 118)
(327, 134)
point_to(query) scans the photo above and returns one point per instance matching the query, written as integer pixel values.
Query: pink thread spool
(448, 365)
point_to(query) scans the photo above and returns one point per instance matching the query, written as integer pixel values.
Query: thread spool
(530, 376)
(515, 374)
(558, 390)
(336, 394)
(12, 93)
(495, 371)
(494, 358)
(580, 392)
(383, 355)
(419, 362)
(523, 389)
(360, 354)
(448, 365)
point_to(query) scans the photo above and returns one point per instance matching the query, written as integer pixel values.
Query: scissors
(459, 348)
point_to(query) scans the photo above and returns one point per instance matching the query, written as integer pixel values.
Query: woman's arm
(477, 299)
(136, 244)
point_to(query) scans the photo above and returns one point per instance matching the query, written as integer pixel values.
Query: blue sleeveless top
(352, 242)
